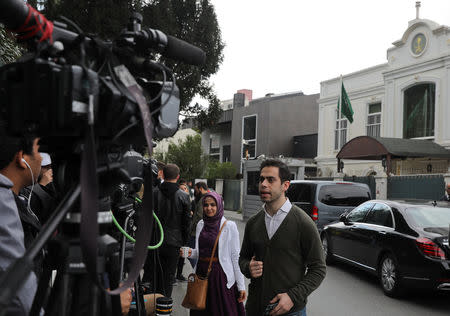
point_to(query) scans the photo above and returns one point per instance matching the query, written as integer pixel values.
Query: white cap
(46, 160)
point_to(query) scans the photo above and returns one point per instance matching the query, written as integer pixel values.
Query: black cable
(171, 91)
(123, 130)
(160, 66)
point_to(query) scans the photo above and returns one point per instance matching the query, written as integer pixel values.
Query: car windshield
(428, 216)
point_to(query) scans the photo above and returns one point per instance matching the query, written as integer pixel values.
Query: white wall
(163, 145)
(386, 83)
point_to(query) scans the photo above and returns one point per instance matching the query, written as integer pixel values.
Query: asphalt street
(346, 291)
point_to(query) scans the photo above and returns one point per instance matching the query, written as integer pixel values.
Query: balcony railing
(227, 116)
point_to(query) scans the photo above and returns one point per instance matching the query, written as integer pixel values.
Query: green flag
(346, 108)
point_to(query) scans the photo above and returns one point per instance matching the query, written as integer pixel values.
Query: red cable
(39, 25)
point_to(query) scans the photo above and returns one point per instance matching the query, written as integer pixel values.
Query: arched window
(418, 111)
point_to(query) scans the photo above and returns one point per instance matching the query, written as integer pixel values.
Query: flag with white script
(344, 104)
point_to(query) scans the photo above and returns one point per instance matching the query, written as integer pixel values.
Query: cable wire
(134, 240)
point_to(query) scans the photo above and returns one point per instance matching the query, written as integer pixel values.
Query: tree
(194, 22)
(218, 170)
(9, 50)
(188, 156)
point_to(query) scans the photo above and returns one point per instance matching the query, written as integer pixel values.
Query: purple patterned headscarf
(213, 222)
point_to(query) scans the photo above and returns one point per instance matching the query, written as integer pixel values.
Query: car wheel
(390, 276)
(326, 249)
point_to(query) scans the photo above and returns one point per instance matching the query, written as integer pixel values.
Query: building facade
(406, 97)
(262, 127)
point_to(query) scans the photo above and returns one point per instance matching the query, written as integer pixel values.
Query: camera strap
(89, 197)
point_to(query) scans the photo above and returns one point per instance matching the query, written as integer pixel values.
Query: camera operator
(20, 164)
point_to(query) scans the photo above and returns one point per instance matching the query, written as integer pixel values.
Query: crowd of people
(282, 270)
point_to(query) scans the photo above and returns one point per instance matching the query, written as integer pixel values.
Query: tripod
(125, 254)
(73, 291)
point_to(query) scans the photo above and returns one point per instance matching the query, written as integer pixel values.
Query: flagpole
(340, 100)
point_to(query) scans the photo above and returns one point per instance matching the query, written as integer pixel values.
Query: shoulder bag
(197, 287)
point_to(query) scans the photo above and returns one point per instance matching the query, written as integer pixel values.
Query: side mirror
(343, 217)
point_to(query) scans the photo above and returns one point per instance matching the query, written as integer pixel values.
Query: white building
(162, 146)
(407, 97)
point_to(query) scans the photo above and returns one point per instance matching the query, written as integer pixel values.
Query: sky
(292, 45)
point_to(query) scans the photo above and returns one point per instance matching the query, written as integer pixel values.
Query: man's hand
(284, 304)
(47, 177)
(242, 296)
(256, 268)
(125, 301)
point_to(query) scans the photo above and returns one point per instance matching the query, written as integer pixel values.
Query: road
(346, 291)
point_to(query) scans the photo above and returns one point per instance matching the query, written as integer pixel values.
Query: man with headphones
(20, 164)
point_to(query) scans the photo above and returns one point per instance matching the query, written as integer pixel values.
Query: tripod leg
(42, 291)
(140, 305)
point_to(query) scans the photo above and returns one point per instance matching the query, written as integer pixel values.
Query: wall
(163, 145)
(386, 83)
(279, 118)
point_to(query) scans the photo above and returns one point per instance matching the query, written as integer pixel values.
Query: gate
(428, 187)
(369, 180)
(232, 194)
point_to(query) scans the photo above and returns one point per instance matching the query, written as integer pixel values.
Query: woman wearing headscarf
(226, 288)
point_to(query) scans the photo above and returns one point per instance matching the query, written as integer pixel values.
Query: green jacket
(293, 260)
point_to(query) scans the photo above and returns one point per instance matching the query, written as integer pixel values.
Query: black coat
(173, 210)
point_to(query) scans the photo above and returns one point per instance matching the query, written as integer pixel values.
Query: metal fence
(369, 180)
(429, 187)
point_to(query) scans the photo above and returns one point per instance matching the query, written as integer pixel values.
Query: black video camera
(70, 79)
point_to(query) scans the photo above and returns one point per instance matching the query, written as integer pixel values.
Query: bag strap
(214, 249)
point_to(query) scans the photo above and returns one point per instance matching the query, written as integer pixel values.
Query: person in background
(446, 196)
(191, 189)
(226, 288)
(179, 275)
(43, 198)
(200, 189)
(173, 210)
(281, 252)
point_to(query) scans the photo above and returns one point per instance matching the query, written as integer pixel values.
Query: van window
(343, 195)
(301, 192)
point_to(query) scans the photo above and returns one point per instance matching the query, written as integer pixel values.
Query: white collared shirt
(273, 222)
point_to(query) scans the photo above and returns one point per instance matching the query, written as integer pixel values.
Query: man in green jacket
(281, 251)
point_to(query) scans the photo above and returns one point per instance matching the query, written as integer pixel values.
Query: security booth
(251, 201)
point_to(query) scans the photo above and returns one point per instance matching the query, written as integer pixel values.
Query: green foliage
(218, 170)
(105, 18)
(194, 22)
(188, 156)
(159, 156)
(9, 50)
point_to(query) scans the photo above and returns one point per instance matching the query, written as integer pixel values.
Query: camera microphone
(171, 46)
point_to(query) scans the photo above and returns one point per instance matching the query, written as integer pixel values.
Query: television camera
(88, 100)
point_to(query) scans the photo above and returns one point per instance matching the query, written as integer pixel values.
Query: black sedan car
(405, 245)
